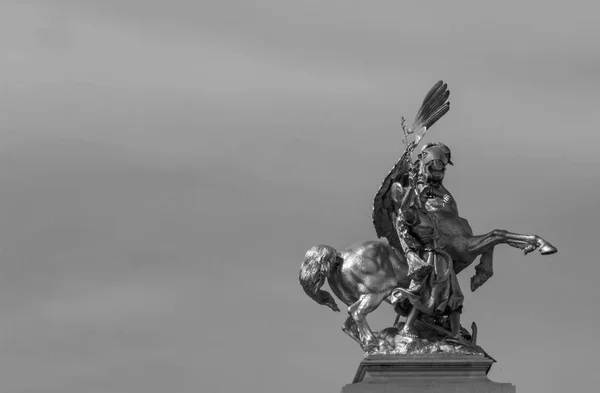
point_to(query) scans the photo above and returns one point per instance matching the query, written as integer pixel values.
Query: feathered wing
(383, 204)
(434, 106)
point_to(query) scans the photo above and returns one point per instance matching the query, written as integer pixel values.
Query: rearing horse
(454, 234)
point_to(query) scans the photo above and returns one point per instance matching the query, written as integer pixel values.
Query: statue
(428, 244)
(362, 276)
(434, 288)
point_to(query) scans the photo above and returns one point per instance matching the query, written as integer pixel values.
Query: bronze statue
(428, 244)
(434, 288)
(361, 276)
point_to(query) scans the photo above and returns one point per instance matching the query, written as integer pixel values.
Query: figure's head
(433, 160)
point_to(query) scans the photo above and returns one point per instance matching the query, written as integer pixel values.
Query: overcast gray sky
(164, 166)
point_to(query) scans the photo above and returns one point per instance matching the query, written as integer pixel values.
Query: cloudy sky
(164, 165)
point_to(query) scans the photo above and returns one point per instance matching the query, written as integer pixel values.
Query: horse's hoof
(478, 280)
(547, 249)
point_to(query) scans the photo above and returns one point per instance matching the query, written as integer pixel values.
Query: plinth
(435, 373)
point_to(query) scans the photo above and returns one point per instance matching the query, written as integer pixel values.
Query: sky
(165, 165)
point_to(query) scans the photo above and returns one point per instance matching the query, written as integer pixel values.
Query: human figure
(434, 288)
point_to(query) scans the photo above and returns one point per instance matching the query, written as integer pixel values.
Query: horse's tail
(318, 263)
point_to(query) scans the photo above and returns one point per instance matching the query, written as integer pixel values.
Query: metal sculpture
(428, 244)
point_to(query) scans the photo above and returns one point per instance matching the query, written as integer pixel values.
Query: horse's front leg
(484, 245)
(484, 270)
(531, 242)
(479, 244)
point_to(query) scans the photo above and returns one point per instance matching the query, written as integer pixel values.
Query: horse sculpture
(365, 275)
(455, 233)
(361, 276)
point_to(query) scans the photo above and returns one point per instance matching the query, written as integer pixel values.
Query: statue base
(434, 373)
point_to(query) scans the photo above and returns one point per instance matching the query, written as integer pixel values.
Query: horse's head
(433, 160)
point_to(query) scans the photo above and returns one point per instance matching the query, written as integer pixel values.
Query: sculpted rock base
(433, 373)
(404, 345)
(431, 340)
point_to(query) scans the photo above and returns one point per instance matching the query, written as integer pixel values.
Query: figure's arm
(405, 216)
(403, 198)
(417, 267)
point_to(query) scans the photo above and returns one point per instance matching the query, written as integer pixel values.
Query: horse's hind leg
(350, 328)
(359, 310)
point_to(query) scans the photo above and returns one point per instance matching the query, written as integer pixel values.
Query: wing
(383, 204)
(434, 106)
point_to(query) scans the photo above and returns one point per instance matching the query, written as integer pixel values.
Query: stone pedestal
(433, 373)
